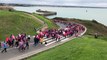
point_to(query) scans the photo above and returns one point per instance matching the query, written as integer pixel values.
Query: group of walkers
(21, 41)
(56, 34)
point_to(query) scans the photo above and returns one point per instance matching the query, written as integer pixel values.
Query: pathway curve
(44, 26)
(14, 54)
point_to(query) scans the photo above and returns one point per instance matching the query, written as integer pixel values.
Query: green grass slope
(16, 22)
(50, 23)
(84, 48)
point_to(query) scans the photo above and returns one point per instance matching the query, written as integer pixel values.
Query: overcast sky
(100, 3)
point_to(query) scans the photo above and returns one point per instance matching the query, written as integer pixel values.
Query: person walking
(41, 40)
(4, 46)
(0, 45)
(27, 44)
(36, 40)
(28, 37)
(96, 35)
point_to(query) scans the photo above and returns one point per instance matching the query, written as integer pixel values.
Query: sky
(97, 3)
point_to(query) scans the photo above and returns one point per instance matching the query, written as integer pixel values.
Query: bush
(94, 21)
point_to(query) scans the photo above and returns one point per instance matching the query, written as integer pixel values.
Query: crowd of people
(56, 34)
(21, 41)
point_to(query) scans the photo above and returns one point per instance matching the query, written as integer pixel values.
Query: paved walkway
(14, 54)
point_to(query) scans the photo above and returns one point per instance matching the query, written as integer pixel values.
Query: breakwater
(45, 12)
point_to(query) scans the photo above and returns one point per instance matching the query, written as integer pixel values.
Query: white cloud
(96, 4)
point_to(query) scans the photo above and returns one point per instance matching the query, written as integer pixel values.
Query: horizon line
(26, 5)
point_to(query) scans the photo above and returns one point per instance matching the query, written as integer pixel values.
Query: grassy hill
(50, 23)
(16, 22)
(84, 48)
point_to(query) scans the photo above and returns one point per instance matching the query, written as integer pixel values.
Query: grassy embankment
(50, 23)
(16, 22)
(83, 48)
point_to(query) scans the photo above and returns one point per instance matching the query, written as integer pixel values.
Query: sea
(98, 14)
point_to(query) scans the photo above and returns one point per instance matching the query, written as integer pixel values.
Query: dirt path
(35, 18)
(42, 22)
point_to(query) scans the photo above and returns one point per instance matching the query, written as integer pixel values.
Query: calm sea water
(99, 15)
